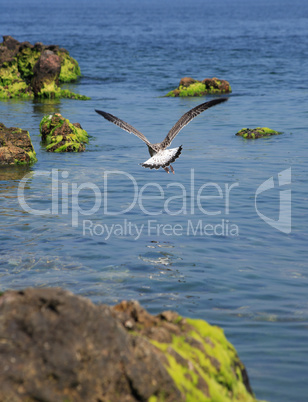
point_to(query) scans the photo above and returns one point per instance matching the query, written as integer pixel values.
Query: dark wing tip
(107, 116)
(101, 112)
(216, 101)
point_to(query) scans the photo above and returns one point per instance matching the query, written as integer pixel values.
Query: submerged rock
(191, 87)
(28, 71)
(62, 136)
(56, 346)
(15, 146)
(257, 132)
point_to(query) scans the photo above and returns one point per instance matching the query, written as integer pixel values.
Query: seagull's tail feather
(162, 158)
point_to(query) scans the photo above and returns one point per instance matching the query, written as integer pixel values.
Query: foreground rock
(28, 71)
(62, 136)
(257, 132)
(15, 146)
(191, 87)
(59, 347)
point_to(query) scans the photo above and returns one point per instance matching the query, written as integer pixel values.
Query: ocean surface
(225, 238)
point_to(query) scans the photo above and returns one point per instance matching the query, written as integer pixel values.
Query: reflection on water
(45, 107)
(163, 260)
(162, 245)
(15, 172)
(159, 257)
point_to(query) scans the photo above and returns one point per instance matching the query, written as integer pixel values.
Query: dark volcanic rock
(9, 49)
(15, 146)
(46, 71)
(56, 346)
(59, 347)
(11, 43)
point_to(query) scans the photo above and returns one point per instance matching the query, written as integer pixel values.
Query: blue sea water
(156, 237)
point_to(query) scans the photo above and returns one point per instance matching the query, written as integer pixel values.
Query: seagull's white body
(160, 156)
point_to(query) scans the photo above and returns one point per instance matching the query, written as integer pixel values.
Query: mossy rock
(257, 132)
(11, 83)
(60, 135)
(16, 147)
(70, 69)
(50, 90)
(17, 71)
(202, 363)
(191, 87)
(26, 60)
(119, 353)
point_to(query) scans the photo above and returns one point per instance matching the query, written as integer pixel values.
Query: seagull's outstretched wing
(186, 118)
(125, 126)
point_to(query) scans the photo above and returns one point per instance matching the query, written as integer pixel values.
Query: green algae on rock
(60, 135)
(16, 147)
(50, 90)
(203, 365)
(257, 132)
(70, 69)
(191, 87)
(29, 71)
(11, 83)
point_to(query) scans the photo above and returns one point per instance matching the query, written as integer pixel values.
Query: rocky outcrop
(15, 146)
(191, 87)
(56, 346)
(28, 71)
(60, 135)
(257, 132)
(46, 72)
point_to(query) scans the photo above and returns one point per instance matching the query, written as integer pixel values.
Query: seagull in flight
(161, 157)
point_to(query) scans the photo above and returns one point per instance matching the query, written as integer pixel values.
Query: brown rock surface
(15, 146)
(46, 70)
(216, 84)
(56, 346)
(186, 81)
